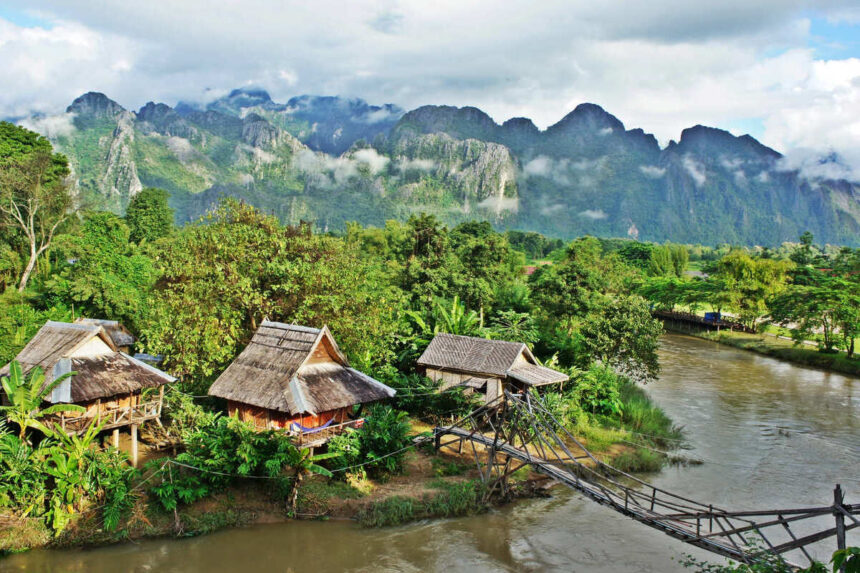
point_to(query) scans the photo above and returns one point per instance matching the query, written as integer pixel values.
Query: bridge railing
(521, 427)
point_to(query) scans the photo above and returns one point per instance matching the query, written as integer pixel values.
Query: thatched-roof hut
(488, 366)
(108, 383)
(296, 378)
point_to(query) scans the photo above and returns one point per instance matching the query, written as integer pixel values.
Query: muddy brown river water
(771, 434)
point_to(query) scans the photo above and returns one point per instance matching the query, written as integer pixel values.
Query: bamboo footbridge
(517, 431)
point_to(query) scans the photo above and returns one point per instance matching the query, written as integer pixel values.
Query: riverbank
(433, 485)
(784, 350)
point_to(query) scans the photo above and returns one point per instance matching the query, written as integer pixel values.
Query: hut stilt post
(134, 445)
(115, 438)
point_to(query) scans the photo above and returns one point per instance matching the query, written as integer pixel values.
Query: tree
(35, 197)
(515, 326)
(149, 217)
(803, 254)
(304, 462)
(749, 282)
(623, 334)
(680, 259)
(108, 279)
(660, 264)
(636, 254)
(830, 307)
(570, 289)
(26, 395)
(220, 278)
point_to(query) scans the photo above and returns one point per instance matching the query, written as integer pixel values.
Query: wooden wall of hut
(264, 419)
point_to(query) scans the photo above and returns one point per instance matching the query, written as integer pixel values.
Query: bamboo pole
(134, 445)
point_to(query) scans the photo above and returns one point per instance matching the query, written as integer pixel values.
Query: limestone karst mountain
(332, 160)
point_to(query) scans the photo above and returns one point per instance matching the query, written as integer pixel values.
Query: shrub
(219, 453)
(421, 396)
(56, 481)
(455, 499)
(597, 391)
(377, 444)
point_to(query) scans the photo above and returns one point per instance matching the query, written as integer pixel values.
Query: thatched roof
(120, 335)
(275, 372)
(536, 375)
(471, 355)
(98, 376)
(112, 374)
(480, 356)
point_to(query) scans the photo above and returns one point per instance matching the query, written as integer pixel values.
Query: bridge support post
(838, 503)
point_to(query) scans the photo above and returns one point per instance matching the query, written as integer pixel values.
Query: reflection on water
(771, 434)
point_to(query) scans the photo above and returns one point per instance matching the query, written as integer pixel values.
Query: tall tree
(35, 196)
(149, 217)
(623, 334)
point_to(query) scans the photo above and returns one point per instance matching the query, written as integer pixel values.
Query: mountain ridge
(586, 173)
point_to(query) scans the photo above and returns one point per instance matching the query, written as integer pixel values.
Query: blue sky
(834, 40)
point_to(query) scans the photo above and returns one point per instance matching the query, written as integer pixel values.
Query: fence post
(838, 499)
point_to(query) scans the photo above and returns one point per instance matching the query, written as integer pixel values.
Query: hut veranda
(296, 378)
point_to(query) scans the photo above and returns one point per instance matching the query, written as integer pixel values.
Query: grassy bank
(785, 350)
(454, 499)
(636, 438)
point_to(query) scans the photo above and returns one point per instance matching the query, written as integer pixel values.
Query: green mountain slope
(585, 174)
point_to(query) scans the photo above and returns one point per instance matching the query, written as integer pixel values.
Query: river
(771, 435)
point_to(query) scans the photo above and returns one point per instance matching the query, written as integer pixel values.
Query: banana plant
(25, 396)
(305, 463)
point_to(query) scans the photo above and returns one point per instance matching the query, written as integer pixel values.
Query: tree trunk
(31, 264)
(294, 495)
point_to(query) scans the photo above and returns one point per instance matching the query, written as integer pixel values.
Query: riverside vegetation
(196, 293)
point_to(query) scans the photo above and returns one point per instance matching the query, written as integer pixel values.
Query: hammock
(299, 428)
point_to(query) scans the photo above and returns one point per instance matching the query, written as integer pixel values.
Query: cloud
(652, 171)
(378, 116)
(731, 163)
(813, 165)
(417, 164)
(695, 170)
(181, 148)
(51, 126)
(662, 65)
(552, 209)
(593, 214)
(499, 204)
(371, 159)
(540, 166)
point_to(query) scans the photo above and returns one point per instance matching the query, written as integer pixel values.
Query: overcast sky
(786, 71)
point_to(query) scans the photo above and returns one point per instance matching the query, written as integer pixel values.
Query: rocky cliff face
(480, 172)
(585, 174)
(120, 178)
